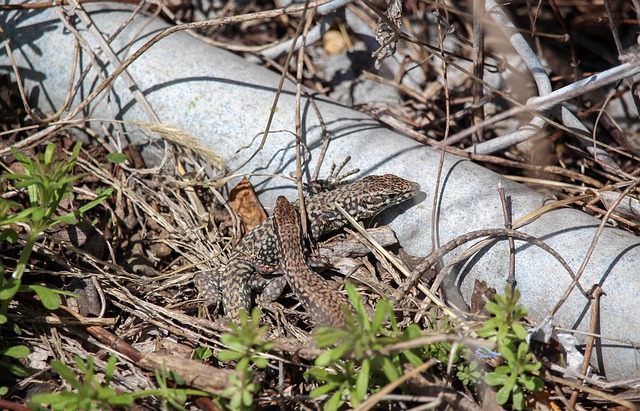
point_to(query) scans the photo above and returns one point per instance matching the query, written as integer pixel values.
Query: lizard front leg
(235, 286)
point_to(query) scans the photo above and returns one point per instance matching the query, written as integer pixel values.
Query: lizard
(319, 299)
(257, 253)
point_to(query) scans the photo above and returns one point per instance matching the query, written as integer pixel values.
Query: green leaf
(266, 346)
(333, 354)
(235, 401)
(202, 353)
(37, 214)
(105, 393)
(380, 314)
(89, 374)
(116, 158)
(65, 182)
(413, 358)
(49, 298)
(66, 373)
(493, 308)
(261, 362)
(515, 296)
(489, 327)
(495, 378)
(180, 396)
(23, 216)
(122, 400)
(229, 391)
(389, 368)
(16, 177)
(76, 151)
(69, 219)
(503, 395)
(25, 181)
(9, 236)
(247, 398)
(519, 331)
(324, 359)
(17, 351)
(412, 332)
(176, 377)
(523, 350)
(43, 399)
(243, 364)
(518, 398)
(534, 366)
(326, 336)
(322, 390)
(15, 369)
(19, 156)
(101, 197)
(9, 288)
(358, 306)
(362, 382)
(56, 186)
(49, 151)
(510, 383)
(32, 190)
(231, 340)
(319, 374)
(532, 383)
(507, 351)
(227, 355)
(110, 368)
(335, 402)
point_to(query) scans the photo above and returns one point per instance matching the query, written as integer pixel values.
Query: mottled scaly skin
(319, 299)
(257, 253)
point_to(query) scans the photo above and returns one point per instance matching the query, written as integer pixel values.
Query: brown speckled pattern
(257, 253)
(321, 301)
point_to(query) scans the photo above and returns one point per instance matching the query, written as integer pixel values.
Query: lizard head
(362, 199)
(376, 193)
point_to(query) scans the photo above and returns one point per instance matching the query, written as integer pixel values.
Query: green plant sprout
(48, 181)
(354, 367)
(91, 394)
(515, 376)
(87, 395)
(245, 346)
(469, 374)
